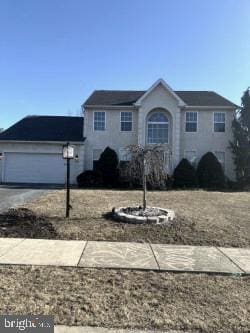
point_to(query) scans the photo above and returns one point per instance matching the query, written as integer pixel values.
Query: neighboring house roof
(129, 97)
(45, 128)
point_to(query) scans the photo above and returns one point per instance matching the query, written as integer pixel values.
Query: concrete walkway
(142, 256)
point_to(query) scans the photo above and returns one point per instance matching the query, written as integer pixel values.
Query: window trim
(213, 123)
(127, 122)
(157, 122)
(94, 121)
(197, 121)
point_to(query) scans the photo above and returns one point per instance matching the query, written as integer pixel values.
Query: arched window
(157, 128)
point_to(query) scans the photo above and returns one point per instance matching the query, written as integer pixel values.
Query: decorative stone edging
(119, 215)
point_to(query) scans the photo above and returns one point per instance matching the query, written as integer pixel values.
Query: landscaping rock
(136, 215)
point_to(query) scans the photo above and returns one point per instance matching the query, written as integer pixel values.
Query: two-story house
(189, 123)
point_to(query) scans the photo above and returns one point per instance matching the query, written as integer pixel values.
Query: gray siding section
(112, 136)
(205, 139)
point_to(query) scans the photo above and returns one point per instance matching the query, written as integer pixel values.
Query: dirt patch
(128, 299)
(24, 223)
(203, 218)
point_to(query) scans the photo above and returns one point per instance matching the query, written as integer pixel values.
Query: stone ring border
(119, 215)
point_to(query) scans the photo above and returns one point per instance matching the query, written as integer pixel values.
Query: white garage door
(34, 168)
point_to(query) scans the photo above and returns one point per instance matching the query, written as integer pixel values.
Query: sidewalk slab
(192, 258)
(44, 252)
(79, 329)
(118, 255)
(240, 256)
(7, 244)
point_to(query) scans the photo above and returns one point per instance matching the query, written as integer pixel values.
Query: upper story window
(99, 120)
(157, 128)
(191, 121)
(219, 121)
(126, 121)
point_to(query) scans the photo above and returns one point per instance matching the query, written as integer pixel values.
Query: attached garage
(34, 168)
(31, 150)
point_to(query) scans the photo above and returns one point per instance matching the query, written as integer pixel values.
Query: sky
(54, 53)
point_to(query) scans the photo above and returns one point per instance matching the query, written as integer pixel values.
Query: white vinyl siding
(99, 121)
(219, 121)
(191, 124)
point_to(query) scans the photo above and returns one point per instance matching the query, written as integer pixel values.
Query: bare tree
(147, 164)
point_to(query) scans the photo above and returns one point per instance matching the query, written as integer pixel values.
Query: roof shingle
(129, 97)
(45, 128)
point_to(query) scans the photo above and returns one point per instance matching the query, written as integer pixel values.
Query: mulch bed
(24, 223)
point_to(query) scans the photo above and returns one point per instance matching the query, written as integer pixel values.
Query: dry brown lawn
(203, 218)
(128, 299)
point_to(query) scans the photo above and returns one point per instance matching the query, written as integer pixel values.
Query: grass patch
(203, 218)
(128, 299)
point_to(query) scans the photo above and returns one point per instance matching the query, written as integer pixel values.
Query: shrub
(108, 167)
(185, 175)
(210, 173)
(90, 178)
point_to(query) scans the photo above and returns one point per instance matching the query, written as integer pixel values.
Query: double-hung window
(191, 121)
(219, 121)
(126, 121)
(99, 120)
(124, 155)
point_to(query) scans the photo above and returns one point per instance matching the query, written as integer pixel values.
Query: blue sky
(54, 53)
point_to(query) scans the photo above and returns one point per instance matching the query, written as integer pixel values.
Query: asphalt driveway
(15, 195)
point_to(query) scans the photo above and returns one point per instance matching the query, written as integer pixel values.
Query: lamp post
(68, 154)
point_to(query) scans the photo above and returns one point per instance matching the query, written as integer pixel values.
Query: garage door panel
(34, 168)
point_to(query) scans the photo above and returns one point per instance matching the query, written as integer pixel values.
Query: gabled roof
(167, 88)
(45, 128)
(130, 97)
